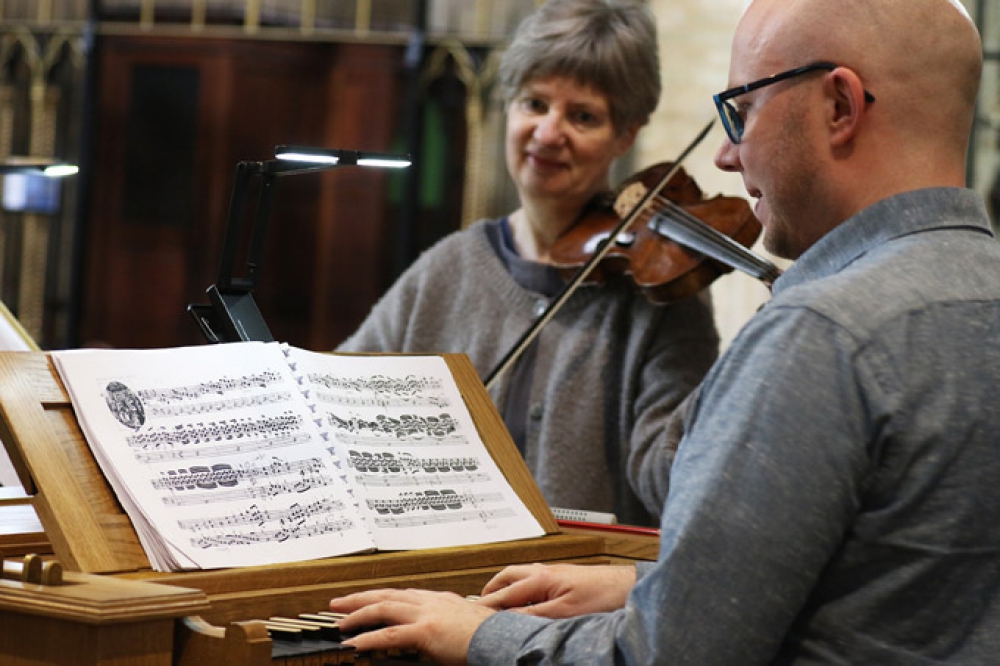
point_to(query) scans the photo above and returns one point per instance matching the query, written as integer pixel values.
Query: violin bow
(602, 251)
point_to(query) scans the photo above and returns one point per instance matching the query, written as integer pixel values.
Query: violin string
(710, 234)
(735, 254)
(556, 304)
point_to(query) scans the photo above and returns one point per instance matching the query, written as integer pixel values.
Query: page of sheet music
(213, 454)
(415, 459)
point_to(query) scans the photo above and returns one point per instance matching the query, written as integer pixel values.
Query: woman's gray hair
(607, 44)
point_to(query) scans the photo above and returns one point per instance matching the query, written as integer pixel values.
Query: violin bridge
(629, 198)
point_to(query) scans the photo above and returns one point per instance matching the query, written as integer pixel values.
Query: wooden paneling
(190, 109)
(353, 252)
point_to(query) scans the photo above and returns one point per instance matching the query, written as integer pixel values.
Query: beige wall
(694, 47)
(694, 51)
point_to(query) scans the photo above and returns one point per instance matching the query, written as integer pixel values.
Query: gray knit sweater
(609, 368)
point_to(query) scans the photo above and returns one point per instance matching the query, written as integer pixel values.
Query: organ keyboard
(220, 618)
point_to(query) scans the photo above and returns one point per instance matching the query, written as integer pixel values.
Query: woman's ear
(627, 138)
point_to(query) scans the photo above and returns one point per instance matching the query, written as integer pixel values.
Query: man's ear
(845, 89)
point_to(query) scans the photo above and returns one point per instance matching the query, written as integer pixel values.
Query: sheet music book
(255, 453)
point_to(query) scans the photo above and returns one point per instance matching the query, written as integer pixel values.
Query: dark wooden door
(173, 117)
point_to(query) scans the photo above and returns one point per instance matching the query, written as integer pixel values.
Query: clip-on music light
(31, 184)
(36, 167)
(232, 315)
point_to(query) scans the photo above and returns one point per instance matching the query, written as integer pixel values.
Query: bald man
(836, 496)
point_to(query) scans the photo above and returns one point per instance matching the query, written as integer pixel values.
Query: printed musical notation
(388, 470)
(213, 406)
(408, 463)
(405, 430)
(223, 482)
(296, 514)
(279, 535)
(407, 440)
(225, 475)
(258, 491)
(257, 453)
(436, 519)
(373, 481)
(131, 407)
(379, 391)
(439, 508)
(431, 500)
(218, 438)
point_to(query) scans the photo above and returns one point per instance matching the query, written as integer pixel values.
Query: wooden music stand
(88, 529)
(206, 617)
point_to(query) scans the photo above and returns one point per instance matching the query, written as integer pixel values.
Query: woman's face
(561, 142)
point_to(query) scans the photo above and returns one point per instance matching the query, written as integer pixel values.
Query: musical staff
(385, 470)
(426, 519)
(431, 500)
(380, 391)
(224, 405)
(264, 490)
(407, 462)
(217, 431)
(295, 514)
(379, 481)
(404, 428)
(222, 386)
(225, 475)
(278, 535)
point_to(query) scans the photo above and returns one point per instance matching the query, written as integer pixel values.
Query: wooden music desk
(97, 601)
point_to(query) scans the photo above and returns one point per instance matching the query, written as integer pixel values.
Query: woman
(588, 401)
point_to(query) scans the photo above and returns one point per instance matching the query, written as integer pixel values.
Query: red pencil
(624, 529)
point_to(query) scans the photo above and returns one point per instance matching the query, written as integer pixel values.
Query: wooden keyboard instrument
(107, 606)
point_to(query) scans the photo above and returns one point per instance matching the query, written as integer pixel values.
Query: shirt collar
(901, 215)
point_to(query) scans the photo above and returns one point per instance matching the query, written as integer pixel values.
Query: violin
(678, 243)
(661, 231)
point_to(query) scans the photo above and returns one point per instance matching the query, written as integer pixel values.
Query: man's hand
(437, 624)
(559, 590)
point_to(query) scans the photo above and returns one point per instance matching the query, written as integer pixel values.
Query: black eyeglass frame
(731, 118)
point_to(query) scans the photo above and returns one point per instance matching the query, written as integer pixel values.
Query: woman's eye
(586, 118)
(532, 104)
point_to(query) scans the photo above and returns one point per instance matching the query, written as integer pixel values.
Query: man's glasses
(732, 120)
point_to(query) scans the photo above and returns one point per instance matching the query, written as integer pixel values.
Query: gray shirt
(836, 498)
